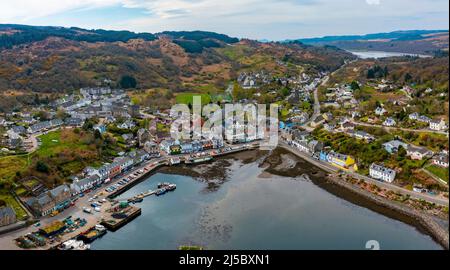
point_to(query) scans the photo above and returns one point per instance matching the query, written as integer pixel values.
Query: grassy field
(187, 98)
(439, 172)
(57, 141)
(9, 165)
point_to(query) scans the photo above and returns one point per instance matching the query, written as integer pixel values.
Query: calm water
(380, 54)
(249, 212)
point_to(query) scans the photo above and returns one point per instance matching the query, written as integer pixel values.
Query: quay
(142, 172)
(117, 217)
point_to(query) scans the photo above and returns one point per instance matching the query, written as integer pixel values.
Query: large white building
(382, 173)
(438, 125)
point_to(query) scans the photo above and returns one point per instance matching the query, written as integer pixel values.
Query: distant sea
(381, 54)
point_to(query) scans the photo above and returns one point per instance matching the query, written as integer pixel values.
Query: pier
(115, 219)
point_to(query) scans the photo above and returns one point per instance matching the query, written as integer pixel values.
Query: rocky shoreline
(279, 162)
(340, 187)
(413, 217)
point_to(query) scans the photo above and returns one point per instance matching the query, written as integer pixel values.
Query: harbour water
(252, 209)
(380, 54)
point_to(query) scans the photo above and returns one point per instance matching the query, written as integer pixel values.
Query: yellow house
(343, 162)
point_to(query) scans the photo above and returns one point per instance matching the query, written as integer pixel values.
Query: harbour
(220, 219)
(201, 190)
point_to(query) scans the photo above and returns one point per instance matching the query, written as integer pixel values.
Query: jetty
(117, 217)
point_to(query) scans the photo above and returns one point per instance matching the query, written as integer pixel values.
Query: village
(328, 130)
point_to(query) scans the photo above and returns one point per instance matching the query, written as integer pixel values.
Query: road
(316, 97)
(402, 129)
(384, 185)
(316, 112)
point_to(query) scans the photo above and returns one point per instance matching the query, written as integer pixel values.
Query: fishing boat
(136, 200)
(171, 187)
(74, 245)
(93, 233)
(162, 185)
(160, 191)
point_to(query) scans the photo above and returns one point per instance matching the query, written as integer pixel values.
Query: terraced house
(341, 161)
(382, 173)
(441, 160)
(53, 200)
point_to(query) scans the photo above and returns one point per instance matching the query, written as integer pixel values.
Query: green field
(9, 165)
(439, 172)
(188, 98)
(53, 143)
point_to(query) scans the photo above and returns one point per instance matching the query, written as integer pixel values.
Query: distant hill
(413, 41)
(55, 59)
(13, 34)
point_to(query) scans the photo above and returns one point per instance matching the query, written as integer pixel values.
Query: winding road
(402, 129)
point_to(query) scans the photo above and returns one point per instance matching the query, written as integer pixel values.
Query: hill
(13, 34)
(413, 41)
(55, 59)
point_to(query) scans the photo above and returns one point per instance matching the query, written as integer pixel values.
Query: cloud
(373, 2)
(274, 19)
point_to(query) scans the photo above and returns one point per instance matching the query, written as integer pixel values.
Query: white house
(382, 173)
(389, 122)
(380, 111)
(414, 116)
(82, 185)
(301, 145)
(441, 160)
(417, 153)
(438, 125)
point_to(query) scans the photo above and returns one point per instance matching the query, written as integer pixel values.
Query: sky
(255, 19)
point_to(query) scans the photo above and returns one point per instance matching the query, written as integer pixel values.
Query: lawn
(439, 172)
(187, 98)
(10, 201)
(58, 141)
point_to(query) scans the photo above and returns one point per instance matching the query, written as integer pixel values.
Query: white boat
(100, 227)
(75, 245)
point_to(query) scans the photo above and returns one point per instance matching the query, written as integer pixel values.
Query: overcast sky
(256, 19)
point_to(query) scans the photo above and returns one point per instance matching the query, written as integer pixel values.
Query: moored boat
(171, 187)
(74, 245)
(93, 233)
(160, 191)
(162, 185)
